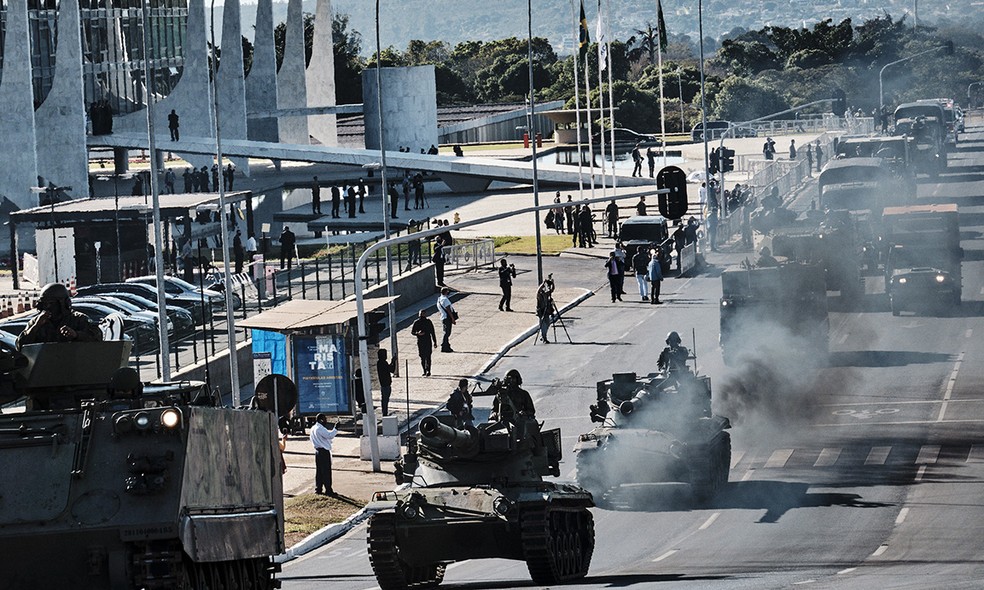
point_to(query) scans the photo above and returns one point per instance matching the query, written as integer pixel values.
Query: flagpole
(611, 92)
(601, 99)
(662, 105)
(577, 108)
(587, 106)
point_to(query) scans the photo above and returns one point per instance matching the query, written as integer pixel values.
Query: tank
(657, 429)
(135, 487)
(475, 493)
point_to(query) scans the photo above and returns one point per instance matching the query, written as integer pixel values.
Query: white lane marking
(928, 454)
(846, 571)
(827, 457)
(842, 339)
(665, 555)
(968, 333)
(949, 386)
(976, 454)
(982, 290)
(919, 473)
(709, 521)
(881, 549)
(736, 458)
(748, 475)
(900, 423)
(901, 517)
(356, 553)
(810, 581)
(897, 403)
(778, 458)
(877, 455)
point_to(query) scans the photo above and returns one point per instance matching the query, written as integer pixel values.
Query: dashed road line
(846, 571)
(736, 458)
(827, 457)
(778, 458)
(976, 454)
(748, 475)
(969, 333)
(881, 549)
(709, 521)
(928, 454)
(901, 517)
(667, 554)
(949, 386)
(919, 474)
(877, 455)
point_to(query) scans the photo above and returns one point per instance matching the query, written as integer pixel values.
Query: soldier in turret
(674, 357)
(57, 322)
(512, 401)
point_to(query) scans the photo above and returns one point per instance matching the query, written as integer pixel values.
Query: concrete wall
(219, 369)
(409, 107)
(291, 84)
(231, 81)
(261, 84)
(62, 155)
(499, 127)
(411, 287)
(20, 167)
(321, 76)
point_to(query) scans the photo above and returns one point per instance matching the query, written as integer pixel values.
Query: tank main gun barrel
(432, 429)
(628, 406)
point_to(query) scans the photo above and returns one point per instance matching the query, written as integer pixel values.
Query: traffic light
(672, 205)
(715, 162)
(727, 160)
(840, 102)
(374, 325)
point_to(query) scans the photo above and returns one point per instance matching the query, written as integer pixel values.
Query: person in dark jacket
(57, 322)
(613, 269)
(506, 274)
(384, 372)
(423, 329)
(287, 242)
(640, 264)
(545, 307)
(460, 405)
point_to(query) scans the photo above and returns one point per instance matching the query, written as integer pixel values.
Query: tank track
(558, 542)
(392, 573)
(160, 568)
(709, 467)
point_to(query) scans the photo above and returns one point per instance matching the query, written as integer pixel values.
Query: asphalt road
(867, 473)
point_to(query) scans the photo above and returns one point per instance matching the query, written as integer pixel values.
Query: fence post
(317, 278)
(242, 298)
(341, 258)
(377, 267)
(331, 288)
(290, 286)
(303, 282)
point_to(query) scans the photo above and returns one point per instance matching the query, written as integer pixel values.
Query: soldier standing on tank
(512, 400)
(57, 322)
(460, 405)
(674, 357)
(322, 438)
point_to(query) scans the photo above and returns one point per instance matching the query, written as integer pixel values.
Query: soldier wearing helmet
(57, 322)
(511, 400)
(674, 357)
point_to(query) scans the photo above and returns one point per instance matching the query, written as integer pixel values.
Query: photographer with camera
(506, 275)
(545, 306)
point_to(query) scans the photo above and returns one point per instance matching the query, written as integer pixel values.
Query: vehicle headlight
(142, 421)
(940, 278)
(170, 418)
(902, 280)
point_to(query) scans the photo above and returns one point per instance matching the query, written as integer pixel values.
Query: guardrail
(469, 255)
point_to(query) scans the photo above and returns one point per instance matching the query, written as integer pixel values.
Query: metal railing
(470, 255)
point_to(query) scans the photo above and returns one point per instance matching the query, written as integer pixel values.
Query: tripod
(557, 318)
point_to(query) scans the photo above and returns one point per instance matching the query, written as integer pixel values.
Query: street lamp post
(683, 124)
(536, 184)
(881, 94)
(703, 95)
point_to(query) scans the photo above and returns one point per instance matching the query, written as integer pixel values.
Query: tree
(643, 44)
(742, 100)
(745, 58)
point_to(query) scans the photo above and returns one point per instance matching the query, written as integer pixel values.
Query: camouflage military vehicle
(479, 493)
(131, 486)
(833, 243)
(655, 429)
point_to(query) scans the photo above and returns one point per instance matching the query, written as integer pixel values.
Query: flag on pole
(661, 24)
(602, 44)
(584, 41)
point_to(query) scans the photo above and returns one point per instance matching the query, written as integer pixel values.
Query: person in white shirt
(250, 247)
(448, 317)
(321, 438)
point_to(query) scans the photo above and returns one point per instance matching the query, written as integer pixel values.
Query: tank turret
(478, 493)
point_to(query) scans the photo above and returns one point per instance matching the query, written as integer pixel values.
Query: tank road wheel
(709, 468)
(557, 542)
(588, 475)
(391, 572)
(724, 461)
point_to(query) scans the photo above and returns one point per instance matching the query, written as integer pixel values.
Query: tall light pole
(536, 184)
(391, 306)
(881, 94)
(703, 94)
(683, 124)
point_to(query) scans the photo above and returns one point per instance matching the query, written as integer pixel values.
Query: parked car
(124, 307)
(628, 136)
(143, 332)
(176, 286)
(183, 322)
(192, 303)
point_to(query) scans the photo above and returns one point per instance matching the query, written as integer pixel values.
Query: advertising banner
(321, 375)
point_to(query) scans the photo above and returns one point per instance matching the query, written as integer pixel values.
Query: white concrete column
(409, 107)
(261, 83)
(61, 151)
(291, 85)
(321, 76)
(19, 171)
(231, 80)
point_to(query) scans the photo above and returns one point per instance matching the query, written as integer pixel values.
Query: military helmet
(673, 339)
(125, 380)
(55, 291)
(515, 376)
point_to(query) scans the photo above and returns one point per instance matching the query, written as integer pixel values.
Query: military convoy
(131, 486)
(479, 492)
(926, 123)
(652, 430)
(923, 261)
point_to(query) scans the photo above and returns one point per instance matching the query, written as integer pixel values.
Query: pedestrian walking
(809, 159)
(215, 177)
(173, 124)
(651, 159)
(611, 219)
(423, 329)
(189, 185)
(448, 318)
(613, 268)
(640, 264)
(350, 194)
(636, 161)
(622, 256)
(655, 274)
(237, 251)
(363, 193)
(506, 274)
(394, 201)
(418, 191)
(792, 149)
(587, 235)
(413, 251)
(576, 226)
(769, 148)
(641, 206)
(544, 307)
(819, 152)
(169, 179)
(322, 438)
(569, 214)
(229, 175)
(250, 247)
(287, 242)
(712, 225)
(188, 261)
(679, 241)
(384, 374)
(316, 197)
(460, 405)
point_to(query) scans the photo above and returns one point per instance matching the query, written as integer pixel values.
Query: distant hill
(455, 21)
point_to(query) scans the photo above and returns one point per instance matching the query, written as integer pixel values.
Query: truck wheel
(895, 307)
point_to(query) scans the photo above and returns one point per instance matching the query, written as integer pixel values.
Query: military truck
(833, 243)
(478, 493)
(862, 184)
(897, 153)
(131, 486)
(926, 123)
(653, 430)
(923, 265)
(786, 303)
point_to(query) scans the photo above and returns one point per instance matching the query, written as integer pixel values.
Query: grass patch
(307, 513)
(550, 244)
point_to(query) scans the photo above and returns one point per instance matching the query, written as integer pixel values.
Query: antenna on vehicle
(693, 351)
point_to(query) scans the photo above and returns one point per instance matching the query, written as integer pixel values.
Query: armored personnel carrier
(477, 493)
(129, 486)
(655, 429)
